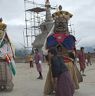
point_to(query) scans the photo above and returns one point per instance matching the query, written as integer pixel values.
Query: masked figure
(61, 39)
(7, 65)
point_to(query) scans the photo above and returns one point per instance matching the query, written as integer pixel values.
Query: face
(36, 51)
(61, 25)
(59, 49)
(49, 55)
(82, 49)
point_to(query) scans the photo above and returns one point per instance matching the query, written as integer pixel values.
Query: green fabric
(2, 43)
(13, 70)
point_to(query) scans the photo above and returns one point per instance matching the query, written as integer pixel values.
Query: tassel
(7, 59)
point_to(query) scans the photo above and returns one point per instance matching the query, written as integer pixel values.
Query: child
(62, 80)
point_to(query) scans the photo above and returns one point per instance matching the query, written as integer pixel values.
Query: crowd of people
(62, 78)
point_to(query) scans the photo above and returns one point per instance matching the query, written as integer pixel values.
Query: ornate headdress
(60, 13)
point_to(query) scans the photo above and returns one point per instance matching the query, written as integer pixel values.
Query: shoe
(40, 77)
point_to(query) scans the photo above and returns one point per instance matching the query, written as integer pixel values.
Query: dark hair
(82, 48)
(59, 47)
(36, 50)
(53, 51)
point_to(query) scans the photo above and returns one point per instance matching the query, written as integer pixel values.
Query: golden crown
(60, 13)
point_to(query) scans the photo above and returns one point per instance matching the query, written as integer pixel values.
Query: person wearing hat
(2, 25)
(6, 59)
(60, 38)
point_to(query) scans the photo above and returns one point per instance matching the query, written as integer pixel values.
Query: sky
(83, 20)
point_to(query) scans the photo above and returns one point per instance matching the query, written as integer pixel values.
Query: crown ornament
(60, 13)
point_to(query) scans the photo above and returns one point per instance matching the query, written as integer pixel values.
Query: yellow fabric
(64, 14)
(73, 74)
(1, 34)
(29, 58)
(49, 84)
(79, 76)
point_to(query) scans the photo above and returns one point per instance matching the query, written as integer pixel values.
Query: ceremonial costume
(60, 36)
(7, 64)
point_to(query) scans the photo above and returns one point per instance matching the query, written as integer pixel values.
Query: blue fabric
(69, 42)
(51, 41)
(58, 66)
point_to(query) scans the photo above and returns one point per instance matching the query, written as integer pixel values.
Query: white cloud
(86, 41)
(12, 12)
(16, 22)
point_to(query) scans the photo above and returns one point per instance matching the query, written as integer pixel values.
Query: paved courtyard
(26, 84)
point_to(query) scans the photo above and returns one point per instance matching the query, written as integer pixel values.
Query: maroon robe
(82, 58)
(38, 58)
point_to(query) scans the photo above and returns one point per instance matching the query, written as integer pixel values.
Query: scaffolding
(34, 16)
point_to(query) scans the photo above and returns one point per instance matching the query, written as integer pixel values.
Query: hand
(40, 61)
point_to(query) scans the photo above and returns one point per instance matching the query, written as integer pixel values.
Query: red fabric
(65, 86)
(39, 67)
(82, 59)
(60, 37)
(67, 59)
(37, 58)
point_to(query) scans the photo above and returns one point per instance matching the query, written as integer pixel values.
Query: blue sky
(83, 20)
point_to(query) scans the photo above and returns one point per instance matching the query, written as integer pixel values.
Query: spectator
(30, 60)
(82, 60)
(88, 57)
(63, 83)
(38, 58)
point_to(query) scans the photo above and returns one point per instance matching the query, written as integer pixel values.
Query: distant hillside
(22, 52)
(89, 49)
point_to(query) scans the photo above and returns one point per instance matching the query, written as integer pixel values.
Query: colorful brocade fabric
(67, 41)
